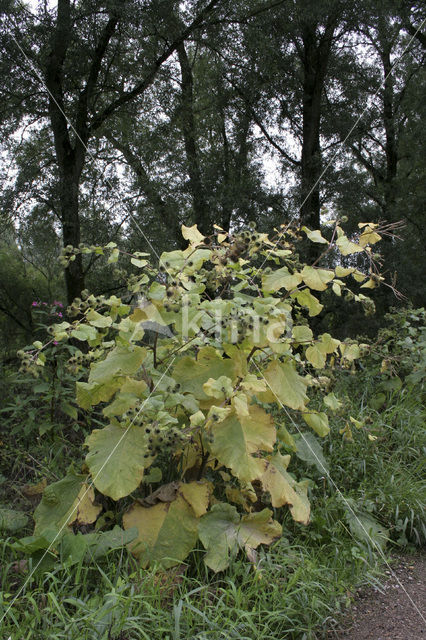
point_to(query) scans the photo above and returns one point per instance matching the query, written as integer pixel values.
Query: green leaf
(99, 543)
(123, 360)
(116, 459)
(223, 533)
(237, 438)
(65, 502)
(12, 520)
(286, 384)
(310, 451)
(98, 320)
(139, 263)
(84, 332)
(92, 393)
(366, 528)
(318, 421)
(192, 373)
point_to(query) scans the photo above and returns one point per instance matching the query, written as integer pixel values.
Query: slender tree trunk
(315, 58)
(199, 203)
(391, 147)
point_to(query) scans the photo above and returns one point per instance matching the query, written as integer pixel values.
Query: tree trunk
(199, 204)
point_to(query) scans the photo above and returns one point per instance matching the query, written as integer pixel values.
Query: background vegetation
(121, 121)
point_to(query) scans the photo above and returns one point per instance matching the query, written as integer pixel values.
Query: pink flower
(57, 303)
(55, 342)
(59, 314)
(44, 304)
(34, 304)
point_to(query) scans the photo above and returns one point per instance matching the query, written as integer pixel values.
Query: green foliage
(198, 403)
(40, 398)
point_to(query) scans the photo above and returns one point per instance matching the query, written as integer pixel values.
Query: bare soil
(396, 611)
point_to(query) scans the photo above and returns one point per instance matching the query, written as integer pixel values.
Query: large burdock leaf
(168, 531)
(64, 502)
(223, 533)
(284, 489)
(121, 360)
(238, 437)
(317, 278)
(116, 459)
(286, 384)
(192, 373)
(90, 394)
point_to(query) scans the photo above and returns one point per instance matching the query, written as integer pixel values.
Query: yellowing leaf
(281, 278)
(349, 351)
(286, 384)
(284, 489)
(342, 272)
(87, 510)
(359, 276)
(192, 234)
(327, 344)
(336, 289)
(302, 333)
(346, 247)
(252, 384)
(116, 459)
(316, 279)
(237, 438)
(332, 402)
(318, 421)
(244, 495)
(240, 404)
(314, 236)
(370, 284)
(197, 495)
(219, 389)
(167, 532)
(306, 299)
(98, 320)
(316, 356)
(369, 236)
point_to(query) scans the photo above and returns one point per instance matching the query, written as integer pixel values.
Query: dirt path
(390, 615)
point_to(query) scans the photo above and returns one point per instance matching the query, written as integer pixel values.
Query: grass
(294, 592)
(298, 587)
